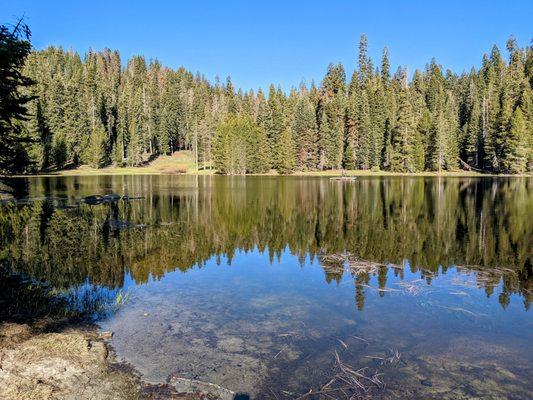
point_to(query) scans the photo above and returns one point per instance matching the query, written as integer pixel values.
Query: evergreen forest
(97, 109)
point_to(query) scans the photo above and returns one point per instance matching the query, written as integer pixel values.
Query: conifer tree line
(95, 110)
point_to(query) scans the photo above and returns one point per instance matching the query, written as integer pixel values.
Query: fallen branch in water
(479, 276)
(348, 383)
(337, 263)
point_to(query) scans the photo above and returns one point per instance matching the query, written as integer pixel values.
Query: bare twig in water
(360, 338)
(347, 383)
(271, 391)
(459, 293)
(483, 276)
(392, 358)
(285, 335)
(279, 352)
(343, 344)
(464, 311)
(412, 287)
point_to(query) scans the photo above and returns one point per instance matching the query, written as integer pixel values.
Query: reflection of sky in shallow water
(259, 327)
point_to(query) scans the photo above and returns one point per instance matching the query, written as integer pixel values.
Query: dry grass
(178, 163)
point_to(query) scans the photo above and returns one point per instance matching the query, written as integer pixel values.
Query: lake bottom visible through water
(279, 330)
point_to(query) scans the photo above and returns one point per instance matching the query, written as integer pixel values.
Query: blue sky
(285, 42)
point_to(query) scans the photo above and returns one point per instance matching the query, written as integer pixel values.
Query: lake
(383, 287)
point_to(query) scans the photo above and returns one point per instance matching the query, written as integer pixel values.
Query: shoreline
(50, 359)
(46, 353)
(147, 171)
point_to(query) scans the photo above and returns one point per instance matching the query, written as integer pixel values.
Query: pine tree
(285, 150)
(492, 73)
(96, 151)
(385, 68)
(304, 131)
(437, 143)
(502, 130)
(365, 64)
(135, 112)
(452, 133)
(472, 142)
(331, 109)
(402, 140)
(351, 141)
(238, 146)
(364, 128)
(229, 147)
(257, 149)
(527, 108)
(274, 124)
(515, 147)
(168, 120)
(37, 128)
(378, 117)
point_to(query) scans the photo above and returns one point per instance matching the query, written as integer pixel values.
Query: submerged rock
(118, 224)
(93, 200)
(111, 198)
(127, 198)
(97, 199)
(184, 385)
(106, 334)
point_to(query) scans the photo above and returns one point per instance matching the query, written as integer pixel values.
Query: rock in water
(184, 385)
(106, 335)
(111, 198)
(93, 200)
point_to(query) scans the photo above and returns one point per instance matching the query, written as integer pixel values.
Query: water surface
(263, 284)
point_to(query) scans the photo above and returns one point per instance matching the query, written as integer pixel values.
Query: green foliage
(304, 132)
(515, 148)
(285, 150)
(274, 123)
(257, 149)
(90, 110)
(331, 109)
(239, 147)
(14, 49)
(96, 151)
(402, 156)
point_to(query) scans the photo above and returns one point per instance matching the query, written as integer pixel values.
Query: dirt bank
(48, 352)
(37, 362)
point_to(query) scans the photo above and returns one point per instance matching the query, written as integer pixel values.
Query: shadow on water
(15, 188)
